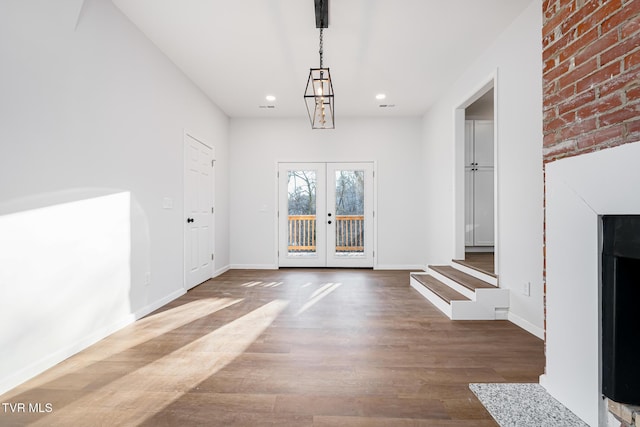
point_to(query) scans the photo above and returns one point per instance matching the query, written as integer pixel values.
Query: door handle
(329, 214)
(189, 219)
(329, 222)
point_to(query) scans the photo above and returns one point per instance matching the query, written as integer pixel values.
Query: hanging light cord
(321, 48)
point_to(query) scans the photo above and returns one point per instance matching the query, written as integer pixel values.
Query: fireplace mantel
(578, 191)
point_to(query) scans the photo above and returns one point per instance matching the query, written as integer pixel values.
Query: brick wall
(591, 75)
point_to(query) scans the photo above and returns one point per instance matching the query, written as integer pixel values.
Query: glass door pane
(301, 211)
(350, 214)
(302, 201)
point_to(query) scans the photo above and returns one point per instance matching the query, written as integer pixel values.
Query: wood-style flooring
(291, 347)
(483, 261)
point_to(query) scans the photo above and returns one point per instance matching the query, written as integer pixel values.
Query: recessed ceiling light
(270, 98)
(381, 96)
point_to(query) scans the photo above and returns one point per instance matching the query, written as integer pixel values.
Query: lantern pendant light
(318, 94)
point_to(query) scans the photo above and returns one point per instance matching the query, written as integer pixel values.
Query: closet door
(483, 143)
(479, 189)
(483, 228)
(483, 183)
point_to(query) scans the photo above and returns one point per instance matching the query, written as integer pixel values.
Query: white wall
(91, 142)
(256, 147)
(516, 57)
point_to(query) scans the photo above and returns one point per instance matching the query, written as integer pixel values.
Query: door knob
(329, 214)
(189, 219)
(329, 222)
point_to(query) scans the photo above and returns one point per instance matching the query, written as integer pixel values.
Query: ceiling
(239, 51)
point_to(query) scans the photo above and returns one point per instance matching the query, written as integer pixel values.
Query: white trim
(458, 171)
(458, 184)
(375, 217)
(53, 359)
(496, 177)
(479, 249)
(158, 304)
(578, 192)
(412, 267)
(253, 266)
(526, 325)
(221, 271)
(276, 216)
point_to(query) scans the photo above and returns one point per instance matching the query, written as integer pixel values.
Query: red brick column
(591, 79)
(591, 75)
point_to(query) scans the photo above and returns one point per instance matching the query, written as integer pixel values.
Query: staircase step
(464, 279)
(439, 288)
(474, 271)
(469, 265)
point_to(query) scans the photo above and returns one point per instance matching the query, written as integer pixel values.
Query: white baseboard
(157, 304)
(53, 359)
(479, 249)
(526, 325)
(220, 271)
(543, 380)
(412, 267)
(253, 267)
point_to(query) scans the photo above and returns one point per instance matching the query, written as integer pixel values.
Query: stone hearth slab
(524, 405)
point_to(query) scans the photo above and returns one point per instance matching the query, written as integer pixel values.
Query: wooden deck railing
(302, 233)
(349, 233)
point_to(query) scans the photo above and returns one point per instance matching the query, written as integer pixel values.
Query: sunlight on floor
(161, 382)
(261, 284)
(318, 295)
(142, 331)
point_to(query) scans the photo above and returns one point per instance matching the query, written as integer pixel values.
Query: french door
(325, 214)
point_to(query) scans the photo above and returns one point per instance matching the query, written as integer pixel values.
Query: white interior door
(198, 212)
(325, 216)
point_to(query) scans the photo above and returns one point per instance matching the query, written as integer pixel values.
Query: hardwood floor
(481, 260)
(292, 347)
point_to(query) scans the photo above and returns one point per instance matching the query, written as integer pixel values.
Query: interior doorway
(476, 172)
(325, 215)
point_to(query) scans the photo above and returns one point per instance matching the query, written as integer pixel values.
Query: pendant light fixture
(318, 94)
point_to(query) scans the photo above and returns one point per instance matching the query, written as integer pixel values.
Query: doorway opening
(325, 216)
(476, 180)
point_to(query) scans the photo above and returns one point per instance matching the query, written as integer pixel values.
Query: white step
(485, 303)
(434, 299)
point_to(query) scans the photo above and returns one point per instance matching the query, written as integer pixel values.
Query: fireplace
(580, 192)
(620, 297)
